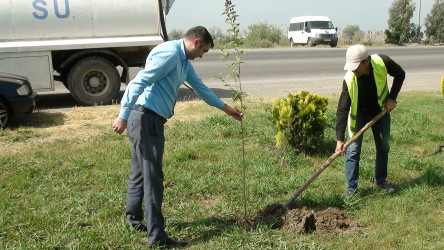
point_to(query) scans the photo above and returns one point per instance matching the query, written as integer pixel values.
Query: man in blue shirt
(146, 105)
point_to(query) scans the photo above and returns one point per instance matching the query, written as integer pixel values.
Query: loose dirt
(305, 220)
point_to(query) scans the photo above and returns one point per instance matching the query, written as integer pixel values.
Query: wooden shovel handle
(332, 158)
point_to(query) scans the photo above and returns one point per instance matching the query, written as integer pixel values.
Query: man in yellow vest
(365, 94)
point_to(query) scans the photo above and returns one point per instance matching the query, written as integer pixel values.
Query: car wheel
(4, 114)
(94, 80)
(310, 43)
(333, 45)
(292, 44)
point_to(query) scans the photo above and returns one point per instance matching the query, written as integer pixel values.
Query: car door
(305, 34)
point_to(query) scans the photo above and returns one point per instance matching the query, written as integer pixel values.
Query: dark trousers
(146, 134)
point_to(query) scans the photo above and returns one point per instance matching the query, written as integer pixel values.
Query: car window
(296, 26)
(320, 25)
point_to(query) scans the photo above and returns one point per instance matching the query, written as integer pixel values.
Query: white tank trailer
(88, 45)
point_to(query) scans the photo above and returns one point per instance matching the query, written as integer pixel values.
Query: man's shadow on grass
(432, 177)
(213, 227)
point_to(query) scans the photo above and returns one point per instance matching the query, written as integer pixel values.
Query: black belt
(149, 111)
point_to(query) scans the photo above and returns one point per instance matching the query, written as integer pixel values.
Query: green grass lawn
(63, 180)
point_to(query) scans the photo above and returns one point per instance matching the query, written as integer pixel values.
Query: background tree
(417, 35)
(400, 29)
(262, 35)
(434, 22)
(220, 38)
(217, 33)
(352, 33)
(175, 34)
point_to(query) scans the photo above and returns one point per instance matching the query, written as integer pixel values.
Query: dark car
(16, 97)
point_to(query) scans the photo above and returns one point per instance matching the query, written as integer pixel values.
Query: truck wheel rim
(95, 82)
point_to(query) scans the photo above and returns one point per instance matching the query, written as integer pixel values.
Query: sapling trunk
(234, 75)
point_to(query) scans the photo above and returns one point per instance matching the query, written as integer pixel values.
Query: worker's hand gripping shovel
(331, 159)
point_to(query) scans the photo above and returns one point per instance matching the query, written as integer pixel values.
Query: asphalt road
(276, 72)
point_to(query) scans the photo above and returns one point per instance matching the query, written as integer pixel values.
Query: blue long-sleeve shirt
(156, 86)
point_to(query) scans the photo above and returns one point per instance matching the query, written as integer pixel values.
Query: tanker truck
(88, 45)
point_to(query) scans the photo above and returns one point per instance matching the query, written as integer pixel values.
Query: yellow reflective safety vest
(380, 74)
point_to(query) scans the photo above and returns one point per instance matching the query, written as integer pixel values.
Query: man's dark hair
(202, 33)
(369, 58)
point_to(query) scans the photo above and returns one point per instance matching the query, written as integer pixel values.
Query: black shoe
(170, 243)
(387, 186)
(140, 227)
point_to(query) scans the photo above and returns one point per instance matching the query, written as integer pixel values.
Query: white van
(312, 30)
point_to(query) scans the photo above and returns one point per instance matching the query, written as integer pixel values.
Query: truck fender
(115, 58)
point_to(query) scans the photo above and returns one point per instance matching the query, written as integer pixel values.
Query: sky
(367, 14)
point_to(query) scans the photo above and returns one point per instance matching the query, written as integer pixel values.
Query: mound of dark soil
(304, 220)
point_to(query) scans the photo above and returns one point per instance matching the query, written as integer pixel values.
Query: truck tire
(94, 81)
(310, 43)
(4, 114)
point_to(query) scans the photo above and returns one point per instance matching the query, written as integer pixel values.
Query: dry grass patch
(81, 124)
(190, 111)
(211, 203)
(78, 124)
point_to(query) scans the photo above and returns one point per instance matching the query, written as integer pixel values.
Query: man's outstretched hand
(233, 112)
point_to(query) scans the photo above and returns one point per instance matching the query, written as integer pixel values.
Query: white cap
(355, 54)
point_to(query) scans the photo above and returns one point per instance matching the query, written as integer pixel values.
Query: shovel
(331, 159)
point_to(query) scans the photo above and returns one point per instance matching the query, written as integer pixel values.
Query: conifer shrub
(300, 120)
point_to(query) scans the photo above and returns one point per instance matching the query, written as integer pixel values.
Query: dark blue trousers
(381, 135)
